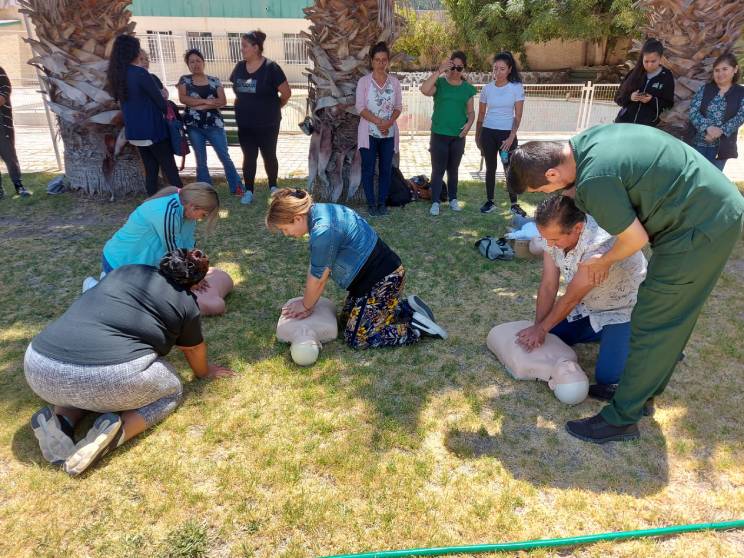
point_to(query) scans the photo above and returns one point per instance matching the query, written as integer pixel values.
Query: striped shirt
(154, 228)
(6, 112)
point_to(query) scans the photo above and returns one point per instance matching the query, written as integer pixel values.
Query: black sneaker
(419, 305)
(372, 211)
(423, 324)
(517, 210)
(21, 191)
(382, 210)
(598, 431)
(54, 436)
(488, 207)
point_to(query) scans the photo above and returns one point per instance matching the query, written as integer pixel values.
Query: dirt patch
(84, 217)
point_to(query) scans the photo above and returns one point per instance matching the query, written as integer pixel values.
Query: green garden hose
(547, 543)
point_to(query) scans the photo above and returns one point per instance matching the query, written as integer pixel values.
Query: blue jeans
(384, 147)
(709, 152)
(614, 345)
(198, 138)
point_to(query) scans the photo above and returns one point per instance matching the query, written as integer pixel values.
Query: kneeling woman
(164, 222)
(104, 355)
(345, 248)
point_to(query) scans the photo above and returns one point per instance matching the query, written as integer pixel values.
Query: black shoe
(382, 210)
(598, 431)
(517, 210)
(425, 326)
(372, 211)
(21, 191)
(418, 305)
(488, 207)
(603, 392)
(649, 409)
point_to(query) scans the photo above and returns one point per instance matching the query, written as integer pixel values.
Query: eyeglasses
(457, 68)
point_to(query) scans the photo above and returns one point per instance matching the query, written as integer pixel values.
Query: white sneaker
(55, 445)
(434, 209)
(95, 445)
(454, 206)
(89, 283)
(426, 326)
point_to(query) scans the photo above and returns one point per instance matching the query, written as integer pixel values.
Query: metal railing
(549, 108)
(561, 108)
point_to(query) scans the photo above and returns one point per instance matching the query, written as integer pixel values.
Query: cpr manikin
(211, 299)
(307, 336)
(554, 362)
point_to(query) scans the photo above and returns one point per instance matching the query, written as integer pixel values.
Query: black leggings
(446, 154)
(490, 141)
(251, 141)
(8, 154)
(155, 157)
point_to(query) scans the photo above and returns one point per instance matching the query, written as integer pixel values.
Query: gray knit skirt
(148, 385)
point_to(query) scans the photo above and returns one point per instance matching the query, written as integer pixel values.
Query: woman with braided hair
(105, 355)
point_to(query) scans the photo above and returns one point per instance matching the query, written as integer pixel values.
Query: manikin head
(306, 336)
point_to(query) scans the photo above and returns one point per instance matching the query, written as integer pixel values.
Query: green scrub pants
(669, 303)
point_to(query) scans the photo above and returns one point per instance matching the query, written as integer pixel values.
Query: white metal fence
(550, 108)
(564, 109)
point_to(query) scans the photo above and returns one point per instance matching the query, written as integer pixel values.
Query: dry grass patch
(421, 446)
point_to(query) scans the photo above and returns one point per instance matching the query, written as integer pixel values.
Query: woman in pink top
(379, 102)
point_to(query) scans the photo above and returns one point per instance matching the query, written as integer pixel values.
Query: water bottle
(504, 154)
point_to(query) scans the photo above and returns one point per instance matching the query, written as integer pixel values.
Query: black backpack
(400, 192)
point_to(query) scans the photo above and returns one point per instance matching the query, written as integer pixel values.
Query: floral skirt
(379, 318)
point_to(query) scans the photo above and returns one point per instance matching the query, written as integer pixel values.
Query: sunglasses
(457, 68)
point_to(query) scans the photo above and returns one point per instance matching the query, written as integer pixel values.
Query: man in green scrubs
(642, 185)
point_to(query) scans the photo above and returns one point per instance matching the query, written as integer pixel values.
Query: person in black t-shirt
(261, 90)
(7, 139)
(104, 355)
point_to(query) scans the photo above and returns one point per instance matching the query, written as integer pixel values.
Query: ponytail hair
(285, 205)
(199, 194)
(256, 38)
(507, 57)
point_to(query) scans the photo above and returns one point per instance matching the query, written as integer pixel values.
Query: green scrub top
(624, 171)
(451, 107)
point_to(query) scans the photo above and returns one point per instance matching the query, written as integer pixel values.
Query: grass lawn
(422, 446)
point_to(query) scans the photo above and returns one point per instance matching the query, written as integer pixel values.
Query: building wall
(220, 8)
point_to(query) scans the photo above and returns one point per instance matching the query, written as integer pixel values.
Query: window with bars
(295, 49)
(201, 41)
(161, 46)
(233, 47)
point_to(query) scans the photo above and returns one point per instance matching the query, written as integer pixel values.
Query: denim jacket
(339, 240)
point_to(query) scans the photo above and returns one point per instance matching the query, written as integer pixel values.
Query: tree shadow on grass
(536, 449)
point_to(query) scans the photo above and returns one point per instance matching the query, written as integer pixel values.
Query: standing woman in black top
(144, 110)
(261, 90)
(648, 90)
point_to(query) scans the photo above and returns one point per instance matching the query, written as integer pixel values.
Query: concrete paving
(36, 154)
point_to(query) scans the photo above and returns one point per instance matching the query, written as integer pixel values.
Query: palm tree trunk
(341, 34)
(74, 41)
